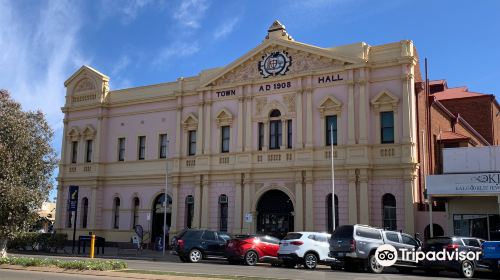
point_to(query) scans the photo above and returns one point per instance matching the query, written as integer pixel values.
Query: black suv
(193, 245)
(465, 268)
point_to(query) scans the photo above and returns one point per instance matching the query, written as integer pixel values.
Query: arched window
(223, 212)
(85, 211)
(189, 211)
(135, 212)
(389, 211)
(116, 213)
(329, 221)
(275, 129)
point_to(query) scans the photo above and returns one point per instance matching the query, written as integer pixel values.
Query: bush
(38, 241)
(74, 264)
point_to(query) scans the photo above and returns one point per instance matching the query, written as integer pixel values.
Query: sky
(141, 42)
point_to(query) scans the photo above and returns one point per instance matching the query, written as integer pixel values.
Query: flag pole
(165, 200)
(333, 178)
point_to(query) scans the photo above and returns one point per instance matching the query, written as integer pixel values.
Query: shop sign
(464, 184)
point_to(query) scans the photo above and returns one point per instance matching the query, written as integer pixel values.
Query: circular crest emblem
(274, 64)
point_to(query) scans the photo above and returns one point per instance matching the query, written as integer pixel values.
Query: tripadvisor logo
(387, 255)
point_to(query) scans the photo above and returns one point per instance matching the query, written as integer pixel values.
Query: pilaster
(248, 126)
(239, 147)
(197, 203)
(204, 203)
(178, 132)
(208, 128)
(199, 132)
(299, 134)
(284, 134)
(309, 119)
(353, 203)
(175, 205)
(299, 203)
(363, 108)
(266, 135)
(364, 203)
(246, 203)
(351, 128)
(309, 216)
(409, 186)
(237, 206)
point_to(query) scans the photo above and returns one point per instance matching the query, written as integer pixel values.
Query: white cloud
(121, 65)
(38, 54)
(125, 11)
(190, 12)
(178, 49)
(226, 28)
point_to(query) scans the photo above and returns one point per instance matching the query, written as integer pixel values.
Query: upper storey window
(88, 154)
(74, 151)
(225, 136)
(387, 127)
(192, 143)
(141, 147)
(275, 130)
(331, 128)
(121, 149)
(163, 145)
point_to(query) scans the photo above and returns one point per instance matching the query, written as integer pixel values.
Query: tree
(27, 162)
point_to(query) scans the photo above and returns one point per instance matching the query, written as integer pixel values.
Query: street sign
(73, 198)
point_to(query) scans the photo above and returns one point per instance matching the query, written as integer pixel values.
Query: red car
(251, 249)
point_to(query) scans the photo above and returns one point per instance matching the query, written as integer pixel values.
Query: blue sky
(140, 42)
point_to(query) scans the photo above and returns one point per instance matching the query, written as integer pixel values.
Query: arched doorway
(437, 230)
(275, 213)
(157, 216)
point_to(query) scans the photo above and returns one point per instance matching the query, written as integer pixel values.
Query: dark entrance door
(157, 216)
(274, 214)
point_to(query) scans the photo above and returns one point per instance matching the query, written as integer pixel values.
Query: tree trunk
(3, 248)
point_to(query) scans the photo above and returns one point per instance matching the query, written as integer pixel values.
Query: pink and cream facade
(248, 143)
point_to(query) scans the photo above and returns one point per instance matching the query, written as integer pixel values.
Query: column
(178, 132)
(409, 185)
(204, 204)
(284, 134)
(248, 126)
(237, 206)
(208, 126)
(175, 207)
(92, 207)
(97, 139)
(266, 135)
(199, 133)
(407, 124)
(363, 111)
(351, 129)
(246, 204)
(309, 216)
(353, 203)
(239, 147)
(197, 203)
(309, 120)
(298, 104)
(299, 203)
(364, 204)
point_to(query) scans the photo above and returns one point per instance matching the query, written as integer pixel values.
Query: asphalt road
(220, 267)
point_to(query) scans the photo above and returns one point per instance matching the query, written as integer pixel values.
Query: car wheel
(373, 265)
(467, 269)
(310, 261)
(251, 258)
(289, 264)
(195, 256)
(183, 259)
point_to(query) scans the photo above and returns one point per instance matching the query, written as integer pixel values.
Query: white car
(307, 248)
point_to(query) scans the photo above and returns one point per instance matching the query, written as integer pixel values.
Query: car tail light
(296, 243)
(353, 245)
(451, 247)
(180, 243)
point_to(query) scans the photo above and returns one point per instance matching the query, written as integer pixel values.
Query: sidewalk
(109, 253)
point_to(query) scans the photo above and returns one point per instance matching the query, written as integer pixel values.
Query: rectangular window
(289, 136)
(141, 153)
(261, 136)
(163, 145)
(331, 124)
(121, 149)
(274, 135)
(88, 154)
(225, 139)
(387, 127)
(74, 151)
(192, 143)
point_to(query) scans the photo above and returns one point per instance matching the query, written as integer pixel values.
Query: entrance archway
(437, 231)
(275, 214)
(157, 216)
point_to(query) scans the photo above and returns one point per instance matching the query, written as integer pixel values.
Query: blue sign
(73, 198)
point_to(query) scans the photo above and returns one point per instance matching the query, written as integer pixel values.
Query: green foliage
(71, 264)
(38, 241)
(27, 161)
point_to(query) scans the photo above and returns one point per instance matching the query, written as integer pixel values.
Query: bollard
(92, 245)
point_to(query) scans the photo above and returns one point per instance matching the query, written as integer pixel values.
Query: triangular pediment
(303, 58)
(385, 97)
(86, 71)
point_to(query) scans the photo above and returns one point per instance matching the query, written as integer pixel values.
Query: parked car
(251, 249)
(355, 246)
(308, 248)
(491, 255)
(193, 245)
(465, 268)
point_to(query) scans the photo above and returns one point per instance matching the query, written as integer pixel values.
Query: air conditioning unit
(189, 199)
(223, 199)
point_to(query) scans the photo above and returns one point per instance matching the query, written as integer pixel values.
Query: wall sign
(226, 93)
(274, 64)
(464, 184)
(275, 86)
(329, 79)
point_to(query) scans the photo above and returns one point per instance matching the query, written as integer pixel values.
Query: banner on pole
(73, 198)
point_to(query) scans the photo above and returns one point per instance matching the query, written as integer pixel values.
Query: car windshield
(292, 235)
(192, 234)
(343, 232)
(439, 241)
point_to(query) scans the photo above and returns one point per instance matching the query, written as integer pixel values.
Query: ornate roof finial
(278, 31)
